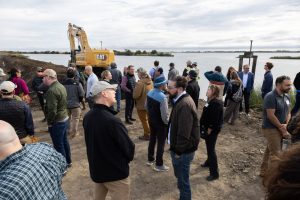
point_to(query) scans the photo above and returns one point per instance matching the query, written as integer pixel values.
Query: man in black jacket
(193, 88)
(109, 148)
(128, 85)
(116, 79)
(184, 134)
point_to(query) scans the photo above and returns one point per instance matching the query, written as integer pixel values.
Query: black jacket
(109, 148)
(193, 90)
(116, 76)
(184, 126)
(233, 87)
(212, 115)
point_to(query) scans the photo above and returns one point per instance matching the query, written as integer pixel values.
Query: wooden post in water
(250, 51)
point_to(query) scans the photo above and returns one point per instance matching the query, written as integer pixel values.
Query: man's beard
(173, 96)
(286, 91)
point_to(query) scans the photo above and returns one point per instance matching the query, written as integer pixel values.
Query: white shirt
(245, 79)
(183, 93)
(90, 82)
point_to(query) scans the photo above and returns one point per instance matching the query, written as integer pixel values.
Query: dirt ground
(239, 148)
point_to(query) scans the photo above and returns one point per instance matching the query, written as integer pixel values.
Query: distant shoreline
(155, 53)
(286, 57)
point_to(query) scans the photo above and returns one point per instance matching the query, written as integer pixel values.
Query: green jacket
(56, 103)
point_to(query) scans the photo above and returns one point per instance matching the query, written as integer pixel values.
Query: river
(206, 62)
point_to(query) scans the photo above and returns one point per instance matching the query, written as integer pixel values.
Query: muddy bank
(27, 66)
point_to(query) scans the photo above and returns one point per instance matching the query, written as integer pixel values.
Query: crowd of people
(109, 147)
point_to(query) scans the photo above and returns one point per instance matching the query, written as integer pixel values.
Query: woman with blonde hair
(235, 94)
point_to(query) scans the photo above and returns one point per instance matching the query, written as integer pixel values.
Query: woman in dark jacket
(233, 105)
(228, 76)
(211, 122)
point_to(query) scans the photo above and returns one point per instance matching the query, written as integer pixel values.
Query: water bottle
(285, 143)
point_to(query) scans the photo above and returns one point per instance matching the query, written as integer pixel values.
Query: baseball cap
(2, 72)
(100, 86)
(50, 73)
(7, 87)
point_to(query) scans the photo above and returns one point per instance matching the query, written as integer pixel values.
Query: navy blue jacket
(250, 81)
(267, 85)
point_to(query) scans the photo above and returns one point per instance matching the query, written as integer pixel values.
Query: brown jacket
(184, 125)
(140, 91)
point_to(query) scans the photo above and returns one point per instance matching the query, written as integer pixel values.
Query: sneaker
(132, 119)
(150, 163)
(69, 165)
(65, 172)
(162, 168)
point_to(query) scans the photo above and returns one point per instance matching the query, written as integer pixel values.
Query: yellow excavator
(99, 59)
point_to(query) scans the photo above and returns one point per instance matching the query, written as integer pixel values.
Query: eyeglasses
(171, 87)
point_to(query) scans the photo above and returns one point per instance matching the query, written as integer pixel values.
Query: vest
(130, 82)
(12, 111)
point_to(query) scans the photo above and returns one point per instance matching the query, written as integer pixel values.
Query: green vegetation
(37, 52)
(285, 57)
(256, 101)
(128, 52)
(12, 54)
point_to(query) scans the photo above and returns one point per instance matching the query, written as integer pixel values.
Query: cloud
(156, 24)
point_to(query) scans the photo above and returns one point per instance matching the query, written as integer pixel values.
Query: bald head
(88, 69)
(9, 141)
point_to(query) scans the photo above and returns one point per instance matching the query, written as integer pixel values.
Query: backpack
(238, 95)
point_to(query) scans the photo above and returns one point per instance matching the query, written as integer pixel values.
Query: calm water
(206, 62)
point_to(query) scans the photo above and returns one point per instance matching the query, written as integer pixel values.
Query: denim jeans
(297, 104)
(58, 133)
(181, 165)
(118, 98)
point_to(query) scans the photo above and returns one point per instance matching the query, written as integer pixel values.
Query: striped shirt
(34, 172)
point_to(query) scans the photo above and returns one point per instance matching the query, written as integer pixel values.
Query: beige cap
(2, 72)
(50, 73)
(100, 86)
(7, 87)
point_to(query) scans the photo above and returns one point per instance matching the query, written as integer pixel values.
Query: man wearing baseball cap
(56, 114)
(109, 148)
(17, 113)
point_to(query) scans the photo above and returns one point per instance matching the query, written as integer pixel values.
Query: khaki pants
(74, 116)
(144, 120)
(270, 159)
(118, 190)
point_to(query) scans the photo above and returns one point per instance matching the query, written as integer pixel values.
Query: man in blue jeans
(56, 114)
(184, 134)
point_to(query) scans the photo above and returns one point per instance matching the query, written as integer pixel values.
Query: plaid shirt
(34, 172)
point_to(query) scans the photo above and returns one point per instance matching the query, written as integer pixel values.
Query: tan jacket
(140, 91)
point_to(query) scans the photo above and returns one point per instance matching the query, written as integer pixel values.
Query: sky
(155, 24)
